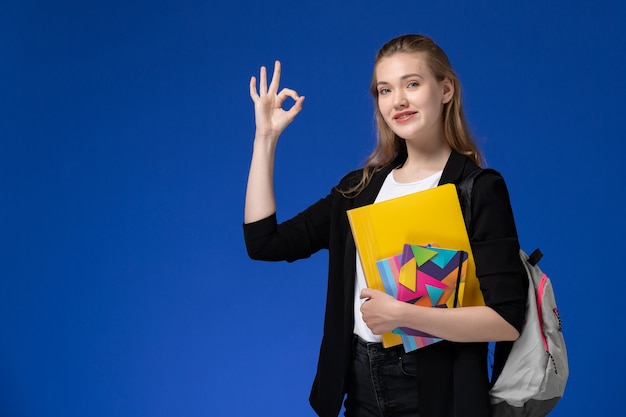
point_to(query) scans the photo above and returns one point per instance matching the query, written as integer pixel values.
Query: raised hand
(270, 117)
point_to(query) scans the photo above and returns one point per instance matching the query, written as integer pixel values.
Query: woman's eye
(383, 91)
(413, 84)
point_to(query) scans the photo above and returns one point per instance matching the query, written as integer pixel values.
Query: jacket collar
(452, 173)
(368, 195)
(455, 167)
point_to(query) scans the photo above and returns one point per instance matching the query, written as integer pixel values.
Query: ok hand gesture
(270, 118)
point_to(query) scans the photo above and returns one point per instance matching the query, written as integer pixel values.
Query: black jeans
(382, 382)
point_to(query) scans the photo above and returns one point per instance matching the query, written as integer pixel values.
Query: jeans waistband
(377, 350)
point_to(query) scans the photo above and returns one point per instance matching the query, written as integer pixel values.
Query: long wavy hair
(390, 146)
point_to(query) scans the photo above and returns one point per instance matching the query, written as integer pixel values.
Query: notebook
(425, 276)
(432, 216)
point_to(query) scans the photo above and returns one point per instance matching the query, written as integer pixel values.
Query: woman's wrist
(265, 141)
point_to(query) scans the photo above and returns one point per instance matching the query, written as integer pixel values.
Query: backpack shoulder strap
(465, 188)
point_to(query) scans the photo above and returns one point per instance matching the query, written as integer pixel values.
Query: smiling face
(410, 98)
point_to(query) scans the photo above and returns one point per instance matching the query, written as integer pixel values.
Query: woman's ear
(448, 90)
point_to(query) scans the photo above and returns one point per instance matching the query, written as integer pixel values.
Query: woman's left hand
(381, 312)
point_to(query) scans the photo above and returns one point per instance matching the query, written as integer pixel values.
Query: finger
(263, 81)
(366, 293)
(284, 93)
(275, 77)
(288, 92)
(253, 93)
(297, 107)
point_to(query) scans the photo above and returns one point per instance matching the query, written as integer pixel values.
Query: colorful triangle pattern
(434, 294)
(424, 276)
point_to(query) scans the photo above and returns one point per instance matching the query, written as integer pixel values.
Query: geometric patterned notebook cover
(425, 276)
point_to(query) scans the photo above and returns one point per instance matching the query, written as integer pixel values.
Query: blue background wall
(125, 137)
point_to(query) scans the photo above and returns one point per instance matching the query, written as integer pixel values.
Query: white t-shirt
(390, 189)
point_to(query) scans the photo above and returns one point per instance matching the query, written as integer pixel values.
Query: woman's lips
(403, 117)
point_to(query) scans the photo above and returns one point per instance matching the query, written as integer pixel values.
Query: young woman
(423, 141)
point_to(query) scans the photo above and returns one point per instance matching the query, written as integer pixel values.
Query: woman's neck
(422, 163)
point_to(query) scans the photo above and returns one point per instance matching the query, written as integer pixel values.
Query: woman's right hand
(270, 117)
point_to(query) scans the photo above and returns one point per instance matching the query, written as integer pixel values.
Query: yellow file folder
(433, 216)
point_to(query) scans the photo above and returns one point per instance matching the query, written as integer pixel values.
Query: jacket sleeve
(496, 248)
(297, 238)
(304, 234)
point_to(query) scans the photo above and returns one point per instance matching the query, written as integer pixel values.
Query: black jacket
(452, 377)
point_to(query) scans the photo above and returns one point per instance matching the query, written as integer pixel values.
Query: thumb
(367, 293)
(297, 107)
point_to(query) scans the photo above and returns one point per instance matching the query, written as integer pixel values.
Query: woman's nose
(399, 99)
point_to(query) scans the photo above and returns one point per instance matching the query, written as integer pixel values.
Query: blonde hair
(390, 146)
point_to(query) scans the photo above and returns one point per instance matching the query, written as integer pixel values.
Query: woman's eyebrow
(404, 77)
